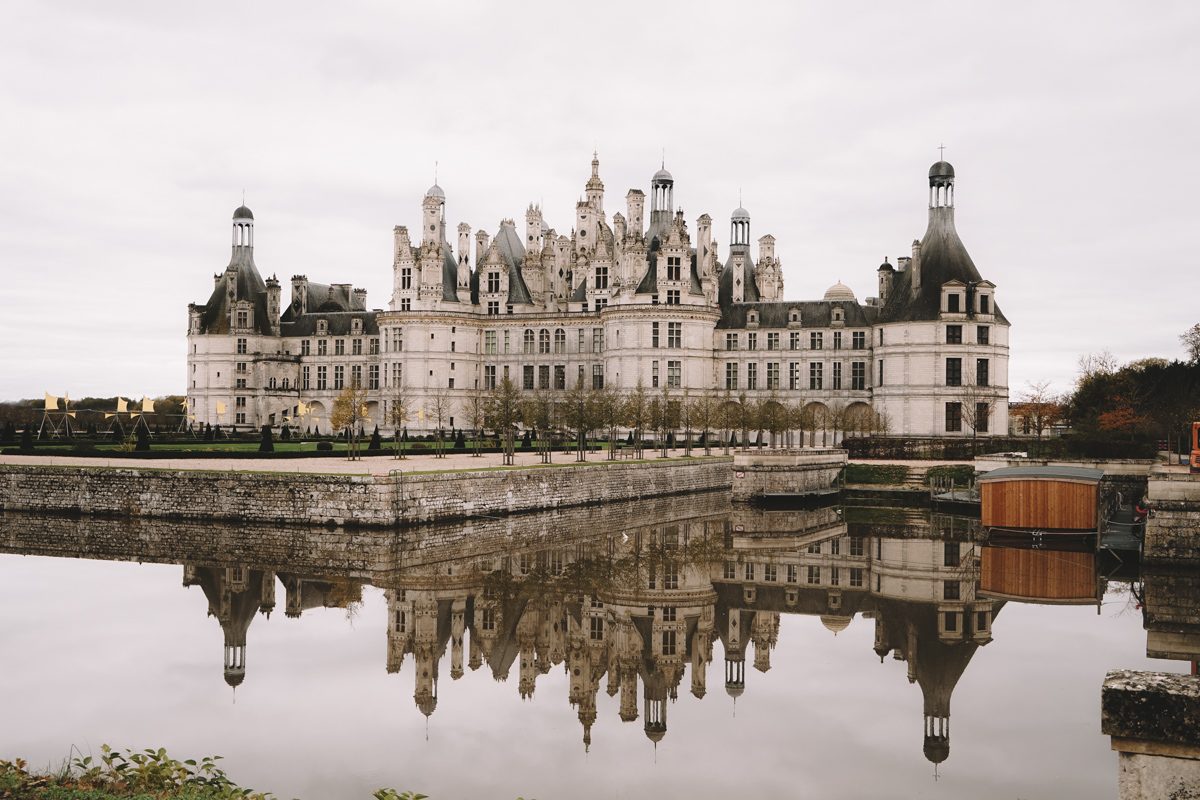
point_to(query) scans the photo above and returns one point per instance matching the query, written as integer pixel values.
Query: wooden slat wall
(1038, 574)
(1040, 504)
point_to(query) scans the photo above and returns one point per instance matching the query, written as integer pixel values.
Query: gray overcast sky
(130, 129)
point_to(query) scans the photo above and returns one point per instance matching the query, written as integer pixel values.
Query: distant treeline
(90, 411)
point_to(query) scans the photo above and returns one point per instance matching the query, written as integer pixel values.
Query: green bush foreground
(145, 775)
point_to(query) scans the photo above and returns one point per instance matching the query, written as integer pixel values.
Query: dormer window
(985, 304)
(322, 327)
(954, 303)
(838, 315)
(356, 326)
(752, 318)
(794, 317)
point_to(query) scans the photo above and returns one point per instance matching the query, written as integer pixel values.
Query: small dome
(436, 191)
(241, 212)
(886, 266)
(937, 748)
(740, 214)
(234, 679)
(663, 175)
(941, 169)
(834, 623)
(735, 689)
(839, 291)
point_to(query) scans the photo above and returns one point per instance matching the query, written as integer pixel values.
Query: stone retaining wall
(351, 500)
(1173, 532)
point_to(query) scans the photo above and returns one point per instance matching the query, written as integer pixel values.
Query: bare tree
(703, 412)
(580, 409)
(665, 414)
(538, 412)
(610, 411)
(1092, 364)
(1041, 408)
(476, 411)
(976, 404)
(774, 418)
(439, 409)
(1191, 343)
(349, 410)
(503, 412)
(636, 416)
(399, 400)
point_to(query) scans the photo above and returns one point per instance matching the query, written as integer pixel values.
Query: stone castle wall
(351, 500)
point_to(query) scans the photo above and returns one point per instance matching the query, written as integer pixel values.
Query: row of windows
(816, 376)
(954, 373)
(816, 340)
(954, 334)
(542, 376)
(813, 574)
(974, 416)
(339, 347)
(339, 377)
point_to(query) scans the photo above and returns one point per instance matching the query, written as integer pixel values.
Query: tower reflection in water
(634, 611)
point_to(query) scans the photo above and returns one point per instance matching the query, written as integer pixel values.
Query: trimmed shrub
(325, 447)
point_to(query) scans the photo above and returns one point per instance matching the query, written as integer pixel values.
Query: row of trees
(583, 411)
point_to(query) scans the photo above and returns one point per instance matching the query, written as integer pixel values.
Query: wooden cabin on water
(1039, 576)
(1049, 500)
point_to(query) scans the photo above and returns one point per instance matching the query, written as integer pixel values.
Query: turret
(273, 311)
(433, 209)
(595, 188)
(703, 244)
(887, 274)
(533, 228)
(766, 247)
(635, 204)
(481, 245)
(464, 255)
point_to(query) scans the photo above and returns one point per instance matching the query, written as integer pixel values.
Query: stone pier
(1153, 719)
(1173, 530)
(783, 473)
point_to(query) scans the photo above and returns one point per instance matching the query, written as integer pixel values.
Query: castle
(614, 303)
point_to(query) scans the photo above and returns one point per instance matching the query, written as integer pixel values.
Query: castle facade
(635, 298)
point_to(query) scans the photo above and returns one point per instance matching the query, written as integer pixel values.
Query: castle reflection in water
(624, 605)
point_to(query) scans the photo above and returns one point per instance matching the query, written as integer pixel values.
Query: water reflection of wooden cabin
(1050, 499)
(1038, 576)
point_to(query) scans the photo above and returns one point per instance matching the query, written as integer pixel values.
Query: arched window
(543, 341)
(560, 340)
(528, 340)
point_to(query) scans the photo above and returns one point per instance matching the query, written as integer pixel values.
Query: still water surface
(664, 649)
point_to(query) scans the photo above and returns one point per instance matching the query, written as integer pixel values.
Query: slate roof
(649, 281)
(943, 258)
(813, 314)
(248, 285)
(449, 274)
(339, 323)
(513, 251)
(323, 298)
(725, 284)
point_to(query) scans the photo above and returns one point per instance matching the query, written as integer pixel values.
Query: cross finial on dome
(942, 152)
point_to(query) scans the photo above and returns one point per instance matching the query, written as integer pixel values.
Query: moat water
(679, 648)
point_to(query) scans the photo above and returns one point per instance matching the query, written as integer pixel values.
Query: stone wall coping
(1151, 706)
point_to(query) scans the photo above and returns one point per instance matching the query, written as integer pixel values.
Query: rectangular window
(954, 372)
(670, 575)
(601, 277)
(527, 376)
(489, 342)
(953, 303)
(751, 341)
(560, 376)
(601, 304)
(668, 643)
(731, 341)
(356, 347)
(879, 377)
(356, 375)
(857, 546)
(752, 376)
(506, 337)
(305, 378)
(397, 375)
(488, 623)
(675, 334)
(598, 376)
(374, 349)
(858, 340)
(674, 380)
(769, 573)
(773, 341)
(322, 347)
(837, 340)
(373, 377)
(305, 344)
(794, 375)
(596, 629)
(731, 377)
(983, 334)
(981, 372)
(730, 571)
(672, 297)
(544, 376)
(814, 574)
(653, 374)
(835, 547)
(816, 375)
(669, 613)
(749, 572)
(339, 347)
(654, 334)
(772, 375)
(339, 377)
(985, 306)
(953, 417)
(951, 554)
(816, 340)
(858, 375)
(406, 278)
(543, 341)
(794, 340)
(241, 347)
(493, 282)
(815, 548)
(954, 334)
(837, 375)
(240, 383)
(493, 308)
(856, 577)
(950, 590)
(597, 340)
(791, 573)
(243, 319)
(406, 304)
(489, 376)
(397, 340)
(673, 268)
(322, 377)
(835, 577)
(982, 412)
(527, 342)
